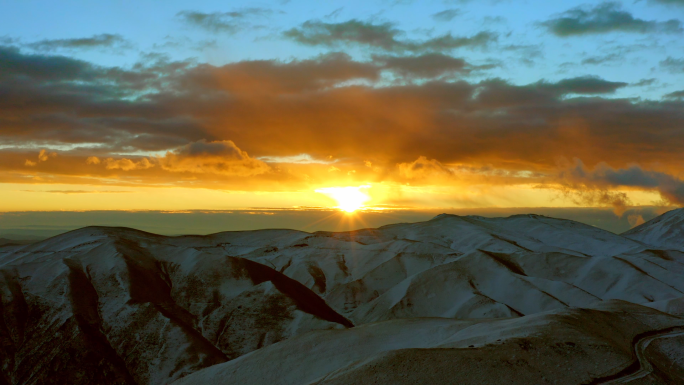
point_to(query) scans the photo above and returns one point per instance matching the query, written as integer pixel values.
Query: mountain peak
(666, 230)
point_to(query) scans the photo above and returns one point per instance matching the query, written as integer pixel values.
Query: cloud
(497, 93)
(331, 104)
(382, 36)
(126, 164)
(597, 197)
(635, 220)
(587, 85)
(273, 77)
(673, 65)
(296, 159)
(217, 157)
(15, 64)
(175, 42)
(604, 18)
(446, 15)
(601, 178)
(429, 65)
(44, 155)
(78, 191)
(423, 168)
(669, 2)
(609, 58)
(105, 40)
(645, 82)
(349, 32)
(93, 160)
(29, 163)
(224, 22)
(677, 95)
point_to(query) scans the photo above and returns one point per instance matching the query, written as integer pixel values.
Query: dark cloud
(105, 40)
(384, 36)
(327, 105)
(81, 102)
(645, 82)
(603, 177)
(218, 157)
(273, 77)
(446, 15)
(618, 54)
(586, 85)
(603, 18)
(677, 95)
(526, 52)
(353, 31)
(7, 40)
(498, 93)
(582, 196)
(334, 14)
(183, 42)
(430, 65)
(424, 167)
(15, 65)
(669, 2)
(448, 42)
(673, 65)
(225, 22)
(603, 59)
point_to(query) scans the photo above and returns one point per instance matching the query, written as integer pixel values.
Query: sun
(348, 199)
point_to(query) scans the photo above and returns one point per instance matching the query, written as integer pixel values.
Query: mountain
(14, 242)
(665, 231)
(572, 346)
(120, 306)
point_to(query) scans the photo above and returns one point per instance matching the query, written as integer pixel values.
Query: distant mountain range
(456, 299)
(14, 242)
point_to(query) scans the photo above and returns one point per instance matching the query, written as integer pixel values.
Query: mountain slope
(117, 305)
(131, 316)
(665, 231)
(563, 347)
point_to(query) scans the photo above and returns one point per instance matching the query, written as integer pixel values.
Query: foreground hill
(120, 306)
(571, 346)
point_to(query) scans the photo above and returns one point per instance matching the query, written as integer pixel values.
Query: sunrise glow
(441, 108)
(348, 199)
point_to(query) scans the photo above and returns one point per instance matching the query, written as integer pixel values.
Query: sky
(392, 109)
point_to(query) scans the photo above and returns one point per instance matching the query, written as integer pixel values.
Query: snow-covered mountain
(120, 306)
(571, 346)
(665, 231)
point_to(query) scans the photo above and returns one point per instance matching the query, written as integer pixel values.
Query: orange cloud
(635, 220)
(425, 132)
(127, 164)
(424, 167)
(218, 157)
(43, 155)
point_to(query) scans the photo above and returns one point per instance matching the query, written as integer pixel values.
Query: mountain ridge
(152, 309)
(664, 230)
